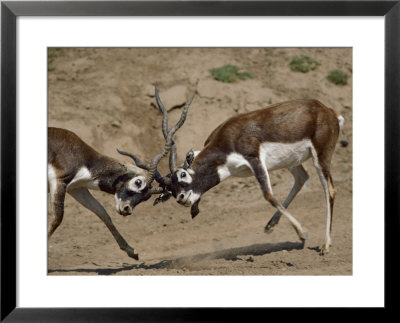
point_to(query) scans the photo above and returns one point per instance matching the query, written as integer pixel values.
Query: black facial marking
(133, 197)
(121, 180)
(140, 197)
(177, 186)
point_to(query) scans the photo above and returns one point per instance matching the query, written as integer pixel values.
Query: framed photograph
(83, 79)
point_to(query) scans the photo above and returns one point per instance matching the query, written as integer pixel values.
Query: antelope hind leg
(300, 177)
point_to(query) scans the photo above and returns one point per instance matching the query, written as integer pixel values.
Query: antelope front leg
(84, 197)
(261, 173)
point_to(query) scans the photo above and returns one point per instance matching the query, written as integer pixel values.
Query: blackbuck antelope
(74, 167)
(283, 135)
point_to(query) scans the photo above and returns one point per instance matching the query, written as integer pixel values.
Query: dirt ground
(106, 96)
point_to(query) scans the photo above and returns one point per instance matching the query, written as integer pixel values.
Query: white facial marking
(284, 155)
(137, 184)
(189, 198)
(194, 197)
(235, 165)
(117, 202)
(184, 176)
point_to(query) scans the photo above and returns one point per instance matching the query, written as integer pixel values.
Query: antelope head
(140, 188)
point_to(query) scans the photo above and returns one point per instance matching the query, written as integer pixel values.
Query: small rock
(116, 124)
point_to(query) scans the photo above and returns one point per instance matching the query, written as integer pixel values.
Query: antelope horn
(168, 143)
(136, 159)
(164, 112)
(172, 155)
(139, 163)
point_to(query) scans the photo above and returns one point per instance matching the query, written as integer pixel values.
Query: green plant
(337, 77)
(229, 74)
(303, 64)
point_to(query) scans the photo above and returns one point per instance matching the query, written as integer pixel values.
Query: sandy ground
(106, 97)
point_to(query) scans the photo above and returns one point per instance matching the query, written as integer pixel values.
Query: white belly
(282, 155)
(235, 165)
(272, 155)
(83, 178)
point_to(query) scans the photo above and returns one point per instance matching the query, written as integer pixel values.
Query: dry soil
(106, 96)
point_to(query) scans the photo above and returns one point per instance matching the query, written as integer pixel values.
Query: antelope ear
(189, 159)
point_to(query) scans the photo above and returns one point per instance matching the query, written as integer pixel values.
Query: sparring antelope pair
(252, 144)
(283, 135)
(74, 167)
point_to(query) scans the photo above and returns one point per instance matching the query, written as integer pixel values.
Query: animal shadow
(231, 254)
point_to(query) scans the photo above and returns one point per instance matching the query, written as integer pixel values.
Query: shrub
(337, 77)
(303, 64)
(229, 74)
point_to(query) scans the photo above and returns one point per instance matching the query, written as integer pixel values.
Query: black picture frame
(10, 10)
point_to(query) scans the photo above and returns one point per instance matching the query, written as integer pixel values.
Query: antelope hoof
(132, 254)
(303, 236)
(274, 221)
(324, 250)
(269, 228)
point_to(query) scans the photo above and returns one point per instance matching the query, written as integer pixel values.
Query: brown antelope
(283, 135)
(74, 167)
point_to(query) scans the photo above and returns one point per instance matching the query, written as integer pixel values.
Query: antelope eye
(183, 175)
(138, 182)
